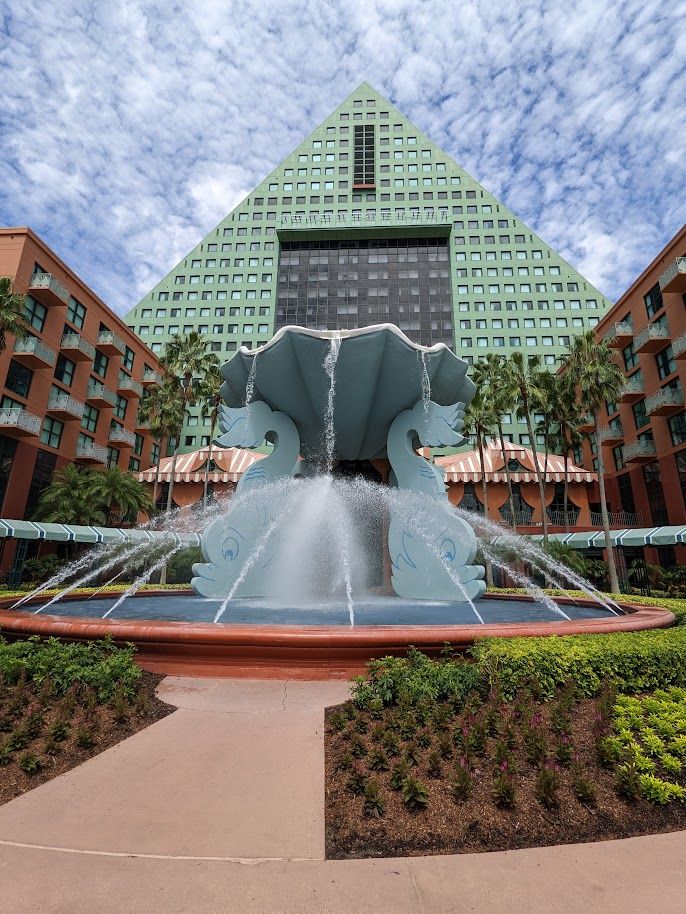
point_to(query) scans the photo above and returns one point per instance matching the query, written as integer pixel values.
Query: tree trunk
(156, 484)
(209, 460)
(545, 460)
(611, 566)
(541, 482)
(566, 488)
(173, 471)
(507, 476)
(484, 493)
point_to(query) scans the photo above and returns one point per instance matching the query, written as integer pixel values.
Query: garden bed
(62, 704)
(435, 757)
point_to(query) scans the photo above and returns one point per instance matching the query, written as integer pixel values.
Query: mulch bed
(106, 725)
(477, 824)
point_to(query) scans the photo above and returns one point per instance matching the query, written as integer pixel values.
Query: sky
(128, 130)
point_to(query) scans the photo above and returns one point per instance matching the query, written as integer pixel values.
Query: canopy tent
(230, 465)
(466, 467)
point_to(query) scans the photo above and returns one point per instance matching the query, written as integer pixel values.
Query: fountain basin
(252, 644)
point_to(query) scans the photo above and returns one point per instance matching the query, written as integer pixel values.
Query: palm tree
(597, 380)
(11, 312)
(69, 499)
(211, 401)
(479, 422)
(567, 432)
(119, 494)
(528, 378)
(186, 358)
(163, 408)
(495, 374)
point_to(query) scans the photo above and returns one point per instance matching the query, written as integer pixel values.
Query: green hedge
(99, 664)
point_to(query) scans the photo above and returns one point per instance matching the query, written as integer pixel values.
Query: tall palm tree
(163, 408)
(495, 373)
(11, 312)
(597, 380)
(479, 422)
(210, 403)
(69, 499)
(569, 437)
(119, 494)
(187, 358)
(527, 376)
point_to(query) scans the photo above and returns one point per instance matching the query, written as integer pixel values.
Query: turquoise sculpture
(391, 397)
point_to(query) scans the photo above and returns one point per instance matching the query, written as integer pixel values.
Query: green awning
(75, 533)
(640, 536)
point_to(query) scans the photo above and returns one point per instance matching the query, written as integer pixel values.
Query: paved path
(218, 808)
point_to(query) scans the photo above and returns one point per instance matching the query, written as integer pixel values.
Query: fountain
(338, 546)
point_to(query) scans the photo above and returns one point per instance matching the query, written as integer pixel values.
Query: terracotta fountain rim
(297, 652)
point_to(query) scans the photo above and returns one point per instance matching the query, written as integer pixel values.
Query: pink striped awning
(467, 467)
(230, 464)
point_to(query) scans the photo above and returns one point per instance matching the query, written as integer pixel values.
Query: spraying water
(144, 578)
(425, 379)
(250, 383)
(330, 369)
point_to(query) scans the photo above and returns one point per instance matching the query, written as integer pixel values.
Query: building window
(665, 362)
(677, 429)
(626, 493)
(8, 448)
(19, 379)
(364, 155)
(34, 313)
(100, 363)
(64, 370)
(76, 313)
(138, 446)
(640, 414)
(128, 359)
(43, 470)
(655, 493)
(134, 464)
(89, 420)
(51, 432)
(630, 357)
(112, 457)
(653, 300)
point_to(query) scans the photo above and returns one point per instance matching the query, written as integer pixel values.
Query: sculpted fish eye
(230, 548)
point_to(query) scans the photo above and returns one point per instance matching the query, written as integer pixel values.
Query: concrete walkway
(219, 808)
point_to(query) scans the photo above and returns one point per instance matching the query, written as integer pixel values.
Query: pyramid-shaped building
(365, 222)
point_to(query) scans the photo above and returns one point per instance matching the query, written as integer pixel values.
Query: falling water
(62, 575)
(425, 379)
(329, 428)
(523, 579)
(144, 578)
(250, 383)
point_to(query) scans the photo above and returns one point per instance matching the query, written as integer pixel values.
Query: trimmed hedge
(635, 661)
(100, 664)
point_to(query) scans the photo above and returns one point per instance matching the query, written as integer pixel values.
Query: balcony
(78, 349)
(90, 453)
(618, 519)
(63, 406)
(611, 435)
(99, 395)
(632, 390)
(142, 425)
(653, 338)
(586, 424)
(128, 388)
(640, 451)
(33, 353)
(48, 290)
(679, 347)
(666, 402)
(110, 343)
(16, 422)
(619, 335)
(121, 436)
(151, 378)
(293, 227)
(674, 277)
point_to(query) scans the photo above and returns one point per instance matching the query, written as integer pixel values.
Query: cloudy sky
(129, 129)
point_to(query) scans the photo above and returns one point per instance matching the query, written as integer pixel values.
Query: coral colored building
(643, 435)
(69, 392)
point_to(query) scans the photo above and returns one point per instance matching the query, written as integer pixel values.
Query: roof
(231, 463)
(467, 467)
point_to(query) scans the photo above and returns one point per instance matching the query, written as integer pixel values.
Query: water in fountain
(329, 428)
(144, 578)
(250, 383)
(425, 379)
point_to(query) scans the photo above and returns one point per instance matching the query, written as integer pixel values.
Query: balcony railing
(99, 394)
(617, 519)
(641, 450)
(91, 453)
(652, 338)
(48, 290)
(79, 349)
(65, 405)
(127, 387)
(619, 335)
(557, 518)
(34, 353)
(612, 434)
(664, 402)
(150, 377)
(587, 424)
(110, 343)
(521, 518)
(439, 218)
(120, 435)
(632, 390)
(20, 421)
(674, 277)
(679, 347)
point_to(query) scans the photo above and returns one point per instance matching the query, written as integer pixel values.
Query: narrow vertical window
(363, 175)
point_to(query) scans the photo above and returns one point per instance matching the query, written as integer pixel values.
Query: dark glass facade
(340, 285)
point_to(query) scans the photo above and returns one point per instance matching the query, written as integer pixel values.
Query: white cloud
(130, 130)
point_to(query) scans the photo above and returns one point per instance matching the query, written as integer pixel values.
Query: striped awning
(230, 464)
(467, 467)
(637, 536)
(75, 533)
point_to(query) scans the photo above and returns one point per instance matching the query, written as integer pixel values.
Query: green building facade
(368, 221)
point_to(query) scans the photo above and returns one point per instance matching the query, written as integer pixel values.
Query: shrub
(547, 784)
(30, 763)
(461, 785)
(38, 570)
(414, 793)
(504, 793)
(374, 805)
